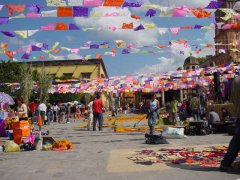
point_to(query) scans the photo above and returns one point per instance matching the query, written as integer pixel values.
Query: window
(86, 75)
(67, 75)
(53, 75)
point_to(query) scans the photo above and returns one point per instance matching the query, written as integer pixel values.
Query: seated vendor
(21, 109)
(225, 114)
(213, 117)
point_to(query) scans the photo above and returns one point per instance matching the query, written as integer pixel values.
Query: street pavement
(90, 158)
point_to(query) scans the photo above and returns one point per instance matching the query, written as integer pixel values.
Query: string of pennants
(60, 26)
(80, 8)
(161, 81)
(80, 11)
(127, 48)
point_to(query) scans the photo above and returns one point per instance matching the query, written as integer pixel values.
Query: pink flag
(92, 3)
(33, 15)
(175, 31)
(181, 11)
(48, 27)
(76, 51)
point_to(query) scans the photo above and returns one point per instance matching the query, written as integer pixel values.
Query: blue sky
(120, 64)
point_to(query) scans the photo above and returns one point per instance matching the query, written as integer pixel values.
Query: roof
(191, 61)
(69, 63)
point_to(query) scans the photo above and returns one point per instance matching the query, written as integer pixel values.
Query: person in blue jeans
(98, 112)
(153, 114)
(195, 107)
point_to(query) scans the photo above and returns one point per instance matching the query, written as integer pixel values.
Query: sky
(120, 64)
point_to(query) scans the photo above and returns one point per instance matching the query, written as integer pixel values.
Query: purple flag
(35, 8)
(80, 11)
(125, 51)
(8, 33)
(45, 46)
(105, 43)
(73, 27)
(130, 4)
(198, 26)
(4, 20)
(94, 46)
(151, 13)
(140, 27)
(26, 56)
(214, 5)
(35, 48)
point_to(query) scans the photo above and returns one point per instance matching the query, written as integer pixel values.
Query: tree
(44, 85)
(12, 72)
(26, 82)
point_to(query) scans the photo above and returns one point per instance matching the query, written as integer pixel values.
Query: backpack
(195, 104)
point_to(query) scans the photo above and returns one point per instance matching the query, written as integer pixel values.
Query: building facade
(228, 37)
(73, 69)
(191, 63)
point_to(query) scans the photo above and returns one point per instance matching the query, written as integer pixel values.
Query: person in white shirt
(90, 118)
(42, 109)
(55, 112)
(22, 111)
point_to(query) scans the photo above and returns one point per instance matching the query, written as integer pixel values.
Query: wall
(76, 70)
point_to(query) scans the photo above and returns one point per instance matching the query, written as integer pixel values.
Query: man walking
(195, 107)
(98, 113)
(174, 110)
(234, 145)
(153, 113)
(42, 109)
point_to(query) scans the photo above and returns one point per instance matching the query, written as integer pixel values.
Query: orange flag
(98, 56)
(113, 2)
(201, 13)
(13, 8)
(9, 54)
(135, 17)
(127, 26)
(64, 12)
(61, 26)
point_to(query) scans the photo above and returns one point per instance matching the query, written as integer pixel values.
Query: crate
(20, 125)
(17, 139)
(21, 132)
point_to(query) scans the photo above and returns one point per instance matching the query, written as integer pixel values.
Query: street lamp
(236, 6)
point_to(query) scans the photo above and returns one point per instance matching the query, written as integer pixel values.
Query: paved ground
(90, 158)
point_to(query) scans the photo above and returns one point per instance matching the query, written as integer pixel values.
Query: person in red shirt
(32, 108)
(98, 112)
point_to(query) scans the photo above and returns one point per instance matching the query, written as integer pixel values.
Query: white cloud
(146, 37)
(165, 64)
(70, 38)
(176, 60)
(190, 3)
(74, 56)
(16, 41)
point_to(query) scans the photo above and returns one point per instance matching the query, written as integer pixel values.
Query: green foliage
(26, 82)
(44, 85)
(12, 72)
(84, 98)
(68, 97)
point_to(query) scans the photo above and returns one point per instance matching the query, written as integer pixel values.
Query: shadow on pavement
(202, 169)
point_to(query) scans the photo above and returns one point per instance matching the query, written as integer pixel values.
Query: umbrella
(5, 98)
